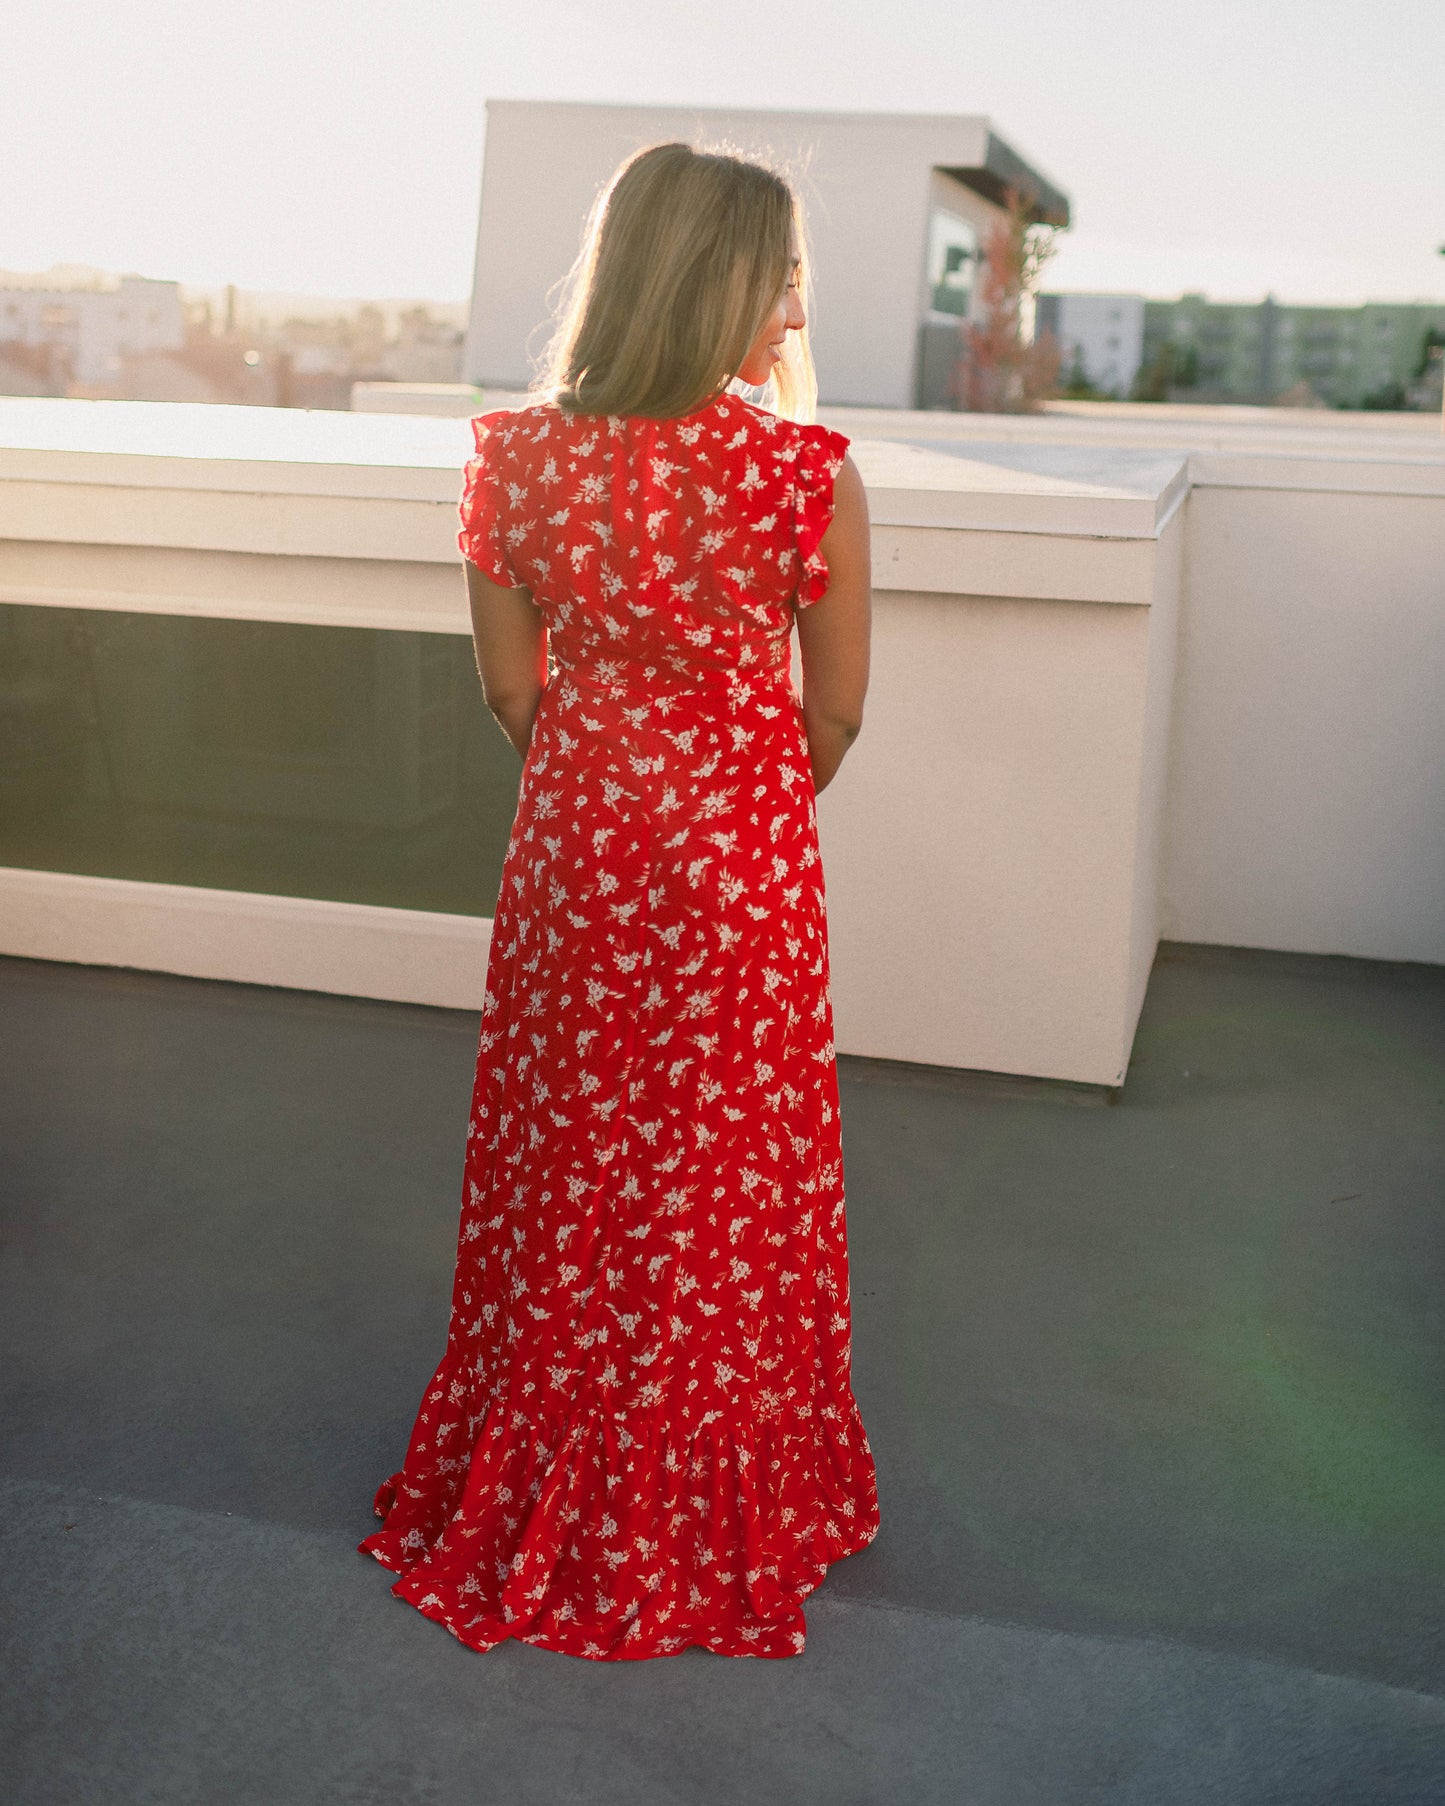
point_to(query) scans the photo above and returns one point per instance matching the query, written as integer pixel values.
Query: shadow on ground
(1155, 1392)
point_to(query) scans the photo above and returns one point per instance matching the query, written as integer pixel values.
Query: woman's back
(658, 550)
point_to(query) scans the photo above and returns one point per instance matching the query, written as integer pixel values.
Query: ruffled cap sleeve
(485, 504)
(820, 458)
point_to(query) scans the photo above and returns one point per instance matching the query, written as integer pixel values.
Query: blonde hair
(686, 254)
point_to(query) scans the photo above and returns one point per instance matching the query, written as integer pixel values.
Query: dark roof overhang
(1001, 166)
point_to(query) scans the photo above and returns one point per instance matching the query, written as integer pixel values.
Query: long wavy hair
(685, 255)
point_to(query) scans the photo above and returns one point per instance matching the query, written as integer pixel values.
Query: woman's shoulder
(802, 452)
(526, 420)
(546, 427)
(805, 445)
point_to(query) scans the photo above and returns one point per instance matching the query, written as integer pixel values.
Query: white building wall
(866, 182)
(1107, 331)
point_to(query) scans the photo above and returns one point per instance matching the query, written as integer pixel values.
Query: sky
(334, 147)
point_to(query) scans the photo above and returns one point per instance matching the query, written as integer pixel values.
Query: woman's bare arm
(510, 639)
(834, 632)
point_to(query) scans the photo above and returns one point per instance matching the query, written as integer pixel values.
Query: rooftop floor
(1154, 1392)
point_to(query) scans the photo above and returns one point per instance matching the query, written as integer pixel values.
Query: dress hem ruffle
(795, 1630)
(738, 1525)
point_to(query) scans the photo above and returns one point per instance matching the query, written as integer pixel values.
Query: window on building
(952, 261)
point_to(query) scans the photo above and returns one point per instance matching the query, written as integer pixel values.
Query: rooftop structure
(905, 198)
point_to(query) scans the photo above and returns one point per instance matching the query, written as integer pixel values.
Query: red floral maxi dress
(643, 1435)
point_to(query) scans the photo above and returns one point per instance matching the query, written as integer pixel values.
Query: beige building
(897, 208)
(90, 322)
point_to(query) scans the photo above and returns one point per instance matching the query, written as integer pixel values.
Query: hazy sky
(334, 146)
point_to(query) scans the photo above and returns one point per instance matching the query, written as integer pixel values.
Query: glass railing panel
(356, 764)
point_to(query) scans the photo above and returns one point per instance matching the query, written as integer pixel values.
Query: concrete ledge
(1027, 611)
(968, 518)
(298, 943)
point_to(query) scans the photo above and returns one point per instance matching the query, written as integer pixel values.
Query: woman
(643, 1435)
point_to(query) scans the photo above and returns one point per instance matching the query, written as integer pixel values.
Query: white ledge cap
(968, 484)
(1123, 492)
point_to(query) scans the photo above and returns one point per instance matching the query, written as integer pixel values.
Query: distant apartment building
(74, 333)
(1376, 355)
(1383, 354)
(1101, 337)
(898, 206)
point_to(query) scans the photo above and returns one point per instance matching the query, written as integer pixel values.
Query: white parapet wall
(1306, 797)
(991, 847)
(1123, 687)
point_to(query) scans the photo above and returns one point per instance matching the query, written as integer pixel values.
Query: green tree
(1389, 397)
(1433, 336)
(1172, 366)
(1077, 386)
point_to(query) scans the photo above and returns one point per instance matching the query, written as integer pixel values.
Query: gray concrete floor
(1155, 1392)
